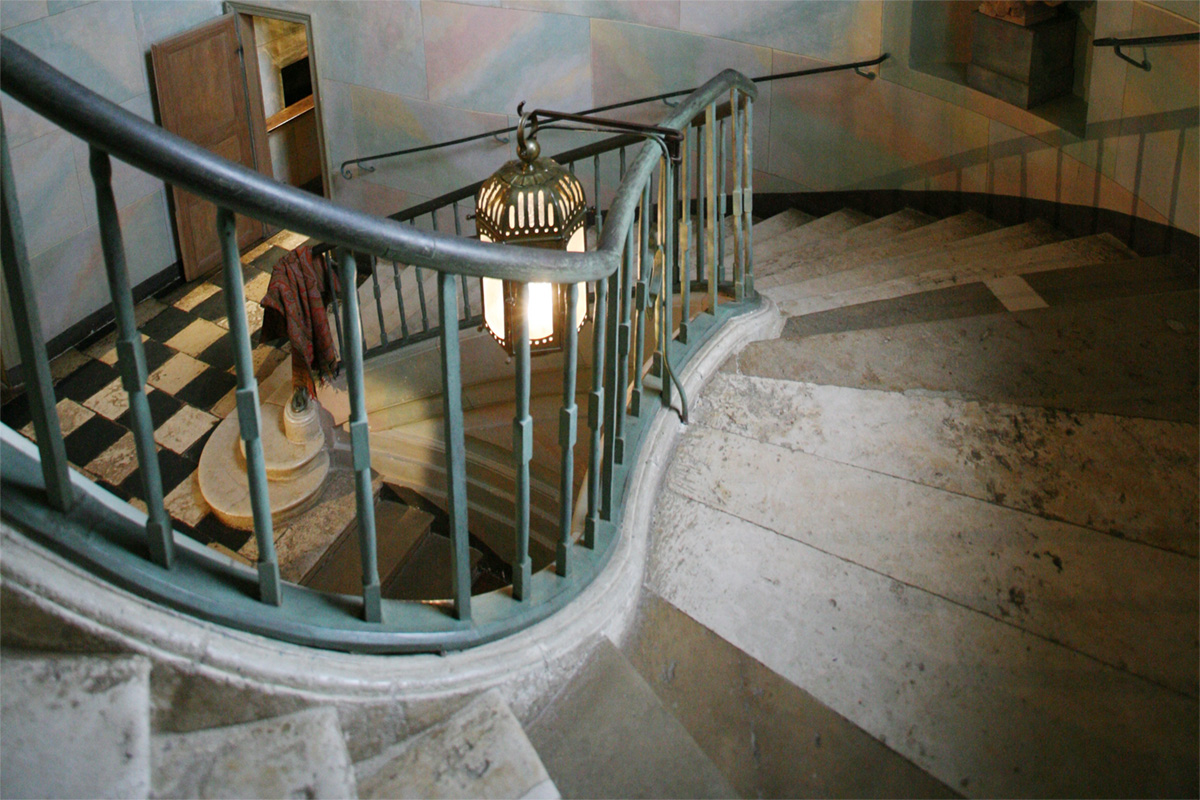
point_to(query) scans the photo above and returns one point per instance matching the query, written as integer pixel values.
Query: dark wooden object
(1023, 65)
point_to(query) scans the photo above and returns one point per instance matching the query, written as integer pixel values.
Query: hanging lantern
(532, 202)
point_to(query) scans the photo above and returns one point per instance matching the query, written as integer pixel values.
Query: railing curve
(646, 325)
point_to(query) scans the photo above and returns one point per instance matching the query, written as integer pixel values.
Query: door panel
(202, 97)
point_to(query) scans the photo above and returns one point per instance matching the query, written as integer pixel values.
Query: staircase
(937, 538)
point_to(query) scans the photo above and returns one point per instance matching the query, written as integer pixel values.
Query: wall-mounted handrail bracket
(868, 75)
(1116, 43)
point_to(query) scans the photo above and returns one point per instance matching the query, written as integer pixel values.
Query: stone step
(479, 752)
(809, 295)
(780, 224)
(869, 234)
(295, 755)
(770, 737)
(74, 726)
(607, 734)
(1130, 356)
(935, 235)
(1002, 275)
(399, 530)
(803, 239)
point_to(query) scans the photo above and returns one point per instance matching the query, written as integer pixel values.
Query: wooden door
(202, 97)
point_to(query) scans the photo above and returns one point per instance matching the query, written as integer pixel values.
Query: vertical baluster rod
(739, 255)
(337, 320)
(249, 419)
(567, 417)
(667, 212)
(400, 300)
(34, 363)
(611, 390)
(685, 284)
(595, 407)
(596, 187)
(456, 451)
(383, 337)
(710, 206)
(641, 293)
(522, 438)
(722, 205)
(624, 331)
(466, 294)
(748, 190)
(701, 199)
(360, 448)
(131, 359)
(420, 276)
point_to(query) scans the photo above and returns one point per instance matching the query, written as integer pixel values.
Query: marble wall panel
(130, 184)
(59, 6)
(378, 45)
(384, 122)
(21, 124)
(840, 131)
(149, 237)
(1022, 166)
(825, 29)
(18, 12)
(48, 191)
(658, 13)
(70, 281)
(490, 59)
(95, 44)
(363, 194)
(157, 20)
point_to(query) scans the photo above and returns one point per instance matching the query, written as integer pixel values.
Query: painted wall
(410, 72)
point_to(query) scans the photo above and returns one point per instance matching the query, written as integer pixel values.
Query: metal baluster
(566, 435)
(421, 291)
(131, 359)
(666, 211)
(441, 319)
(247, 402)
(456, 452)
(595, 406)
(337, 320)
(596, 187)
(522, 438)
(722, 207)
(466, 294)
(748, 191)
(360, 448)
(610, 392)
(400, 300)
(685, 284)
(739, 256)
(710, 207)
(383, 338)
(621, 385)
(641, 294)
(34, 364)
(701, 199)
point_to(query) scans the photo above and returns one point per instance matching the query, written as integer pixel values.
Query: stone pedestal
(1024, 65)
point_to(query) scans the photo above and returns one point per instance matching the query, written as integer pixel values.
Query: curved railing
(646, 324)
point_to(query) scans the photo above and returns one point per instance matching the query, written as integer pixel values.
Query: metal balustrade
(645, 330)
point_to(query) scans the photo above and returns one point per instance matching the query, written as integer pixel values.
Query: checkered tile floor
(189, 359)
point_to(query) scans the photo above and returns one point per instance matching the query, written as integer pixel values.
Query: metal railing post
(131, 360)
(32, 347)
(522, 439)
(249, 419)
(456, 452)
(566, 434)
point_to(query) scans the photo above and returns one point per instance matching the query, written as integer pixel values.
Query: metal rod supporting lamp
(534, 202)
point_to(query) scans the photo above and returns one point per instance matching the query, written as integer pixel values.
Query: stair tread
(1083, 251)
(804, 237)
(934, 235)
(481, 751)
(398, 530)
(877, 231)
(75, 726)
(609, 735)
(294, 755)
(781, 223)
(983, 248)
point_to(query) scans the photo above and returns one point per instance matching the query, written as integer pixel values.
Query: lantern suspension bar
(670, 136)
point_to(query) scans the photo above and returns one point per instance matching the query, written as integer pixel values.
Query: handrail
(635, 279)
(856, 66)
(1116, 43)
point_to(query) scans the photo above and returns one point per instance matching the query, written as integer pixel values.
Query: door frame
(258, 128)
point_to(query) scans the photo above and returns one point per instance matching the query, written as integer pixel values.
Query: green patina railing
(637, 273)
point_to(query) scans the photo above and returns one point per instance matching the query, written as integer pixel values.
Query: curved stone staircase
(937, 538)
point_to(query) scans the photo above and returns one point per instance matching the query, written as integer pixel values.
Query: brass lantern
(533, 202)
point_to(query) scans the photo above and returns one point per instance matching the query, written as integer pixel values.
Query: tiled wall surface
(410, 72)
